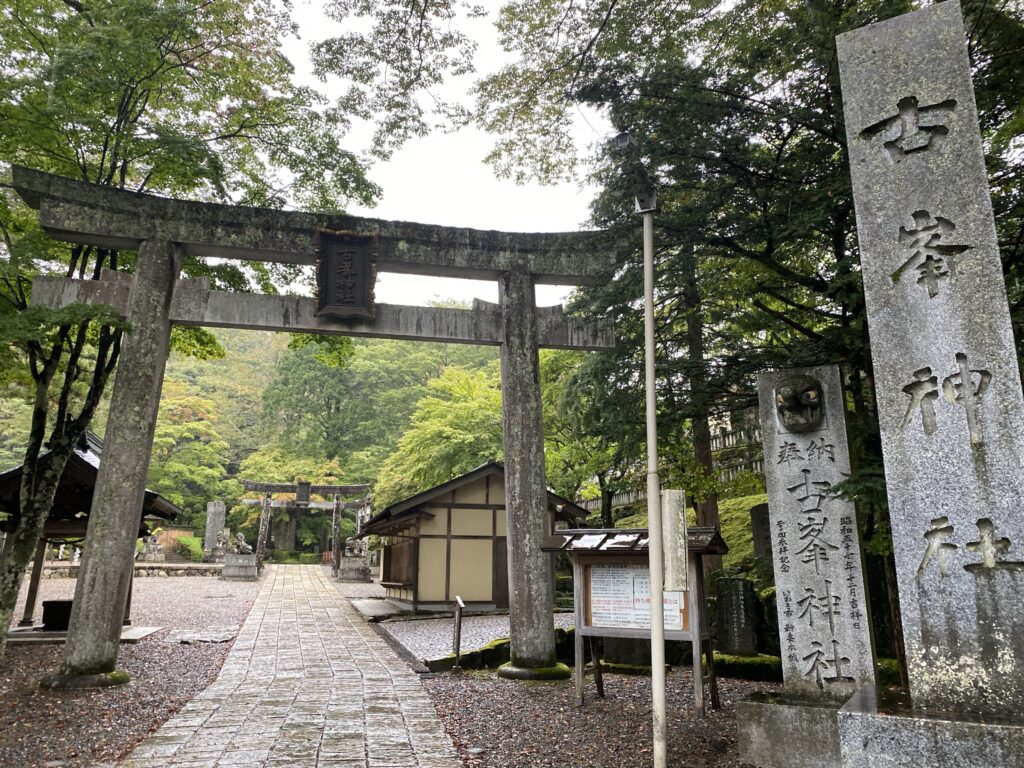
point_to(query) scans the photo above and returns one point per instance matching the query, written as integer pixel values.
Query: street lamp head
(646, 199)
(623, 140)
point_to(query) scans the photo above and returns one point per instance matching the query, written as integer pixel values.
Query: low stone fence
(66, 571)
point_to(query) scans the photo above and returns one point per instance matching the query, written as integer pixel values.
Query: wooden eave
(563, 508)
(629, 541)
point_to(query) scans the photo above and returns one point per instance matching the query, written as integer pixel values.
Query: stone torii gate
(348, 252)
(302, 493)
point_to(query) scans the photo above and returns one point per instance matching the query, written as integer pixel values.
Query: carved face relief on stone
(798, 402)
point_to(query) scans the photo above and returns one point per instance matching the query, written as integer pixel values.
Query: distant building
(736, 445)
(450, 540)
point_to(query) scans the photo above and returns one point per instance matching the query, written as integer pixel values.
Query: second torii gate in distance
(348, 253)
(302, 492)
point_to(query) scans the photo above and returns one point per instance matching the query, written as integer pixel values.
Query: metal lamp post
(646, 204)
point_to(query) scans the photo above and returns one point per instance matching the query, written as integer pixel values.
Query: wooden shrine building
(69, 515)
(451, 540)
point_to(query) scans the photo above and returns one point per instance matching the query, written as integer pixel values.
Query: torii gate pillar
(531, 591)
(90, 653)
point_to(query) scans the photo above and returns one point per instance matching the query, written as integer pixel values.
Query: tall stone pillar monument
(819, 574)
(948, 387)
(215, 518)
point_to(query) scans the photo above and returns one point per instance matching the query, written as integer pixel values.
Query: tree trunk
(706, 508)
(22, 542)
(607, 521)
(38, 488)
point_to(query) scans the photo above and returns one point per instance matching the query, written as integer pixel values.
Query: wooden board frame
(701, 641)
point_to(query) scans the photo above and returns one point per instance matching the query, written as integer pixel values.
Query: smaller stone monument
(737, 616)
(215, 515)
(152, 552)
(819, 578)
(76, 556)
(240, 564)
(761, 532)
(220, 548)
(355, 565)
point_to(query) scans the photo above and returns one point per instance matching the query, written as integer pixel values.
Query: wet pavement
(307, 684)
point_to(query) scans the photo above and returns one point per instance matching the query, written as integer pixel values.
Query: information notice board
(620, 597)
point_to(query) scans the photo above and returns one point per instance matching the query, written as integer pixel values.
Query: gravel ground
(432, 638)
(180, 602)
(505, 724)
(86, 728)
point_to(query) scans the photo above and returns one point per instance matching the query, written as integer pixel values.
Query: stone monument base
(776, 731)
(354, 569)
(239, 568)
(880, 729)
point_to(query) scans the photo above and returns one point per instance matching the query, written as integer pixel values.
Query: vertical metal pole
(655, 549)
(457, 634)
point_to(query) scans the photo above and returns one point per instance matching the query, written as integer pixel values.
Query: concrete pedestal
(354, 569)
(239, 568)
(780, 732)
(878, 729)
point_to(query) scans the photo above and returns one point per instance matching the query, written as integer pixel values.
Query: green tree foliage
(737, 115)
(235, 383)
(190, 459)
(357, 411)
(455, 428)
(393, 56)
(578, 459)
(15, 417)
(187, 98)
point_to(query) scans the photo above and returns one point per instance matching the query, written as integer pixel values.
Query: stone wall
(143, 569)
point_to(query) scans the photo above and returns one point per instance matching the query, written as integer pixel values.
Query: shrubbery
(293, 557)
(191, 547)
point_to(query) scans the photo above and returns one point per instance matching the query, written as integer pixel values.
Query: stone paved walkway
(308, 684)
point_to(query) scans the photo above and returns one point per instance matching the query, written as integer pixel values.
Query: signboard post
(612, 595)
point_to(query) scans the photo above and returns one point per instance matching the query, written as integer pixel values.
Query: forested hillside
(402, 416)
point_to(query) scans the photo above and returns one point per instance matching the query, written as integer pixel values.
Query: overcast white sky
(441, 179)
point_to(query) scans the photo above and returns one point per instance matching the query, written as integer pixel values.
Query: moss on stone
(443, 664)
(61, 682)
(119, 677)
(888, 671)
(557, 671)
(761, 667)
(638, 670)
